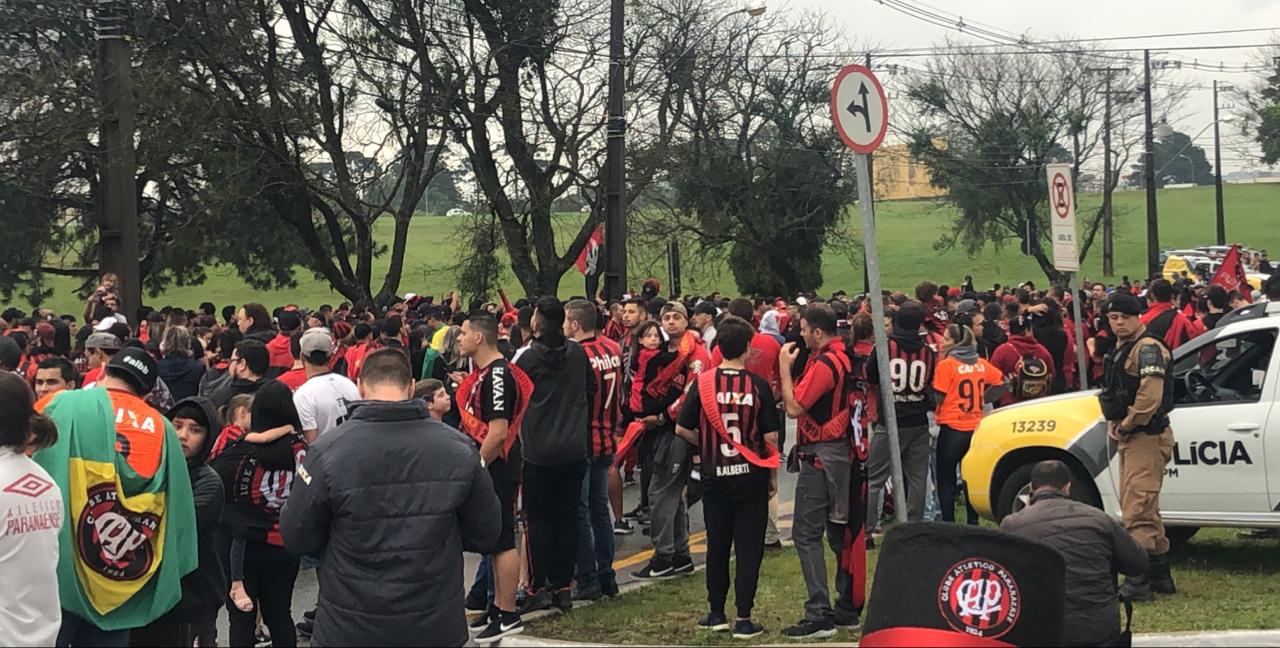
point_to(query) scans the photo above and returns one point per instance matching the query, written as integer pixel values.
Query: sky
(870, 21)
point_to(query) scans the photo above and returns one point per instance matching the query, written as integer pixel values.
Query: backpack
(1031, 378)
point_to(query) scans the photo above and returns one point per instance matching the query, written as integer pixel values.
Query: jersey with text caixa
(605, 357)
(747, 409)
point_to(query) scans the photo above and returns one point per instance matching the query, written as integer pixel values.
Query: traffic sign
(1062, 217)
(859, 109)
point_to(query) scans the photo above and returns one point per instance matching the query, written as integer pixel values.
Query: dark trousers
(644, 459)
(269, 573)
(76, 631)
(952, 447)
(595, 527)
(735, 516)
(551, 495)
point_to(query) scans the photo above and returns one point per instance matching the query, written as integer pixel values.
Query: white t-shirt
(322, 401)
(32, 511)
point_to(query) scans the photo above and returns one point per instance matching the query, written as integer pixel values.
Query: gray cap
(966, 306)
(316, 340)
(102, 341)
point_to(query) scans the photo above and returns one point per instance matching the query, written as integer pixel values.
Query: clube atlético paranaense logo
(979, 597)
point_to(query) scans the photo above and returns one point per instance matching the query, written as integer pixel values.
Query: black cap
(1123, 302)
(705, 308)
(939, 581)
(137, 367)
(10, 352)
(289, 320)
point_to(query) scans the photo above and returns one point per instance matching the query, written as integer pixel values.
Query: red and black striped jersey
(747, 409)
(606, 363)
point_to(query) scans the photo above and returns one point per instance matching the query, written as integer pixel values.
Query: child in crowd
(437, 397)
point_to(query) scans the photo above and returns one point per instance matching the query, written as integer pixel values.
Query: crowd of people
(162, 467)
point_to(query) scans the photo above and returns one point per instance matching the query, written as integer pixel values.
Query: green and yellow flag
(129, 534)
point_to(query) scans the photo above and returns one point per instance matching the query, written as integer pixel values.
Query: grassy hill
(907, 233)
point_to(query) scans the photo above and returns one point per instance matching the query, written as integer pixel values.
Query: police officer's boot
(1136, 589)
(1160, 577)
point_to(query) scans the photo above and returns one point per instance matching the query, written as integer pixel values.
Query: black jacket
(390, 499)
(223, 394)
(205, 589)
(1094, 547)
(556, 429)
(182, 374)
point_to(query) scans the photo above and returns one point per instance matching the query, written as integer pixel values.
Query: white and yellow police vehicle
(1226, 425)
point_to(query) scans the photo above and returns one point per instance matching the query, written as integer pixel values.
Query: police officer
(1136, 399)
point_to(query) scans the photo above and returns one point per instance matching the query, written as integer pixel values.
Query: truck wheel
(1015, 493)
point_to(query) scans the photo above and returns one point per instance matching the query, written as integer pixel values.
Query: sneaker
(747, 629)
(306, 627)
(499, 630)
(637, 513)
(261, 636)
(609, 588)
(480, 622)
(629, 480)
(623, 527)
(715, 622)
(476, 604)
(535, 602)
(683, 567)
(846, 620)
(807, 629)
(655, 570)
(592, 591)
(310, 615)
(776, 545)
(563, 600)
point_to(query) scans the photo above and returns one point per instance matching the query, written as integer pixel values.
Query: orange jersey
(139, 432)
(962, 386)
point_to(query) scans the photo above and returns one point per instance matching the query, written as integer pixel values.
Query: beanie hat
(940, 584)
(1123, 302)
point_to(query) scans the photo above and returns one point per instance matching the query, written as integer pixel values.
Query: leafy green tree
(1177, 161)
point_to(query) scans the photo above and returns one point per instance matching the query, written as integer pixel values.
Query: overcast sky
(868, 21)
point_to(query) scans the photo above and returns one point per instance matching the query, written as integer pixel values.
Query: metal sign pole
(1080, 350)
(888, 413)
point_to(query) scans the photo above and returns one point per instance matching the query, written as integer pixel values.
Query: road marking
(643, 556)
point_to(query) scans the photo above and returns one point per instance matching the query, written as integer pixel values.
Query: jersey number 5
(731, 425)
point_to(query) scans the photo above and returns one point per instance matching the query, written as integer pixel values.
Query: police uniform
(1137, 397)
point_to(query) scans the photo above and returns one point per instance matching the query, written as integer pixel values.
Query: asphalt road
(631, 552)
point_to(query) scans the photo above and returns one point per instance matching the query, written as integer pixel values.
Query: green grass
(907, 233)
(1223, 584)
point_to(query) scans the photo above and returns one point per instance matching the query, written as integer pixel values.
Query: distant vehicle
(457, 211)
(585, 209)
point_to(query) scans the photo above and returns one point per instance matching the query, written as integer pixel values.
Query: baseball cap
(102, 340)
(137, 367)
(317, 340)
(705, 308)
(110, 321)
(674, 307)
(289, 320)
(966, 306)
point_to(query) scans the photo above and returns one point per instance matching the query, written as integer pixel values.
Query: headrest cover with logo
(954, 585)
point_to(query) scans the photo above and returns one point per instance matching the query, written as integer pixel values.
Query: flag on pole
(589, 259)
(1231, 276)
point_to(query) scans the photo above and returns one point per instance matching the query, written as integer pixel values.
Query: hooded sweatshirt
(556, 428)
(205, 589)
(1007, 356)
(182, 374)
(769, 326)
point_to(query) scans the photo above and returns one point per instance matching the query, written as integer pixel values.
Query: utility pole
(1149, 174)
(615, 231)
(1108, 223)
(118, 232)
(1217, 169)
(866, 272)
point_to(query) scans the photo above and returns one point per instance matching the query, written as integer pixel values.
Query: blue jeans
(595, 527)
(482, 587)
(76, 631)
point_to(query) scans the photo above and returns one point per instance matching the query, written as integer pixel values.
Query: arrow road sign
(859, 109)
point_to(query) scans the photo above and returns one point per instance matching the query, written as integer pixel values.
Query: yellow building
(899, 177)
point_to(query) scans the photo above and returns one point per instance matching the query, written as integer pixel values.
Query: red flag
(588, 260)
(1231, 275)
(506, 303)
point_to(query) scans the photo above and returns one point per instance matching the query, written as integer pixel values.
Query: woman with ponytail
(961, 379)
(31, 505)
